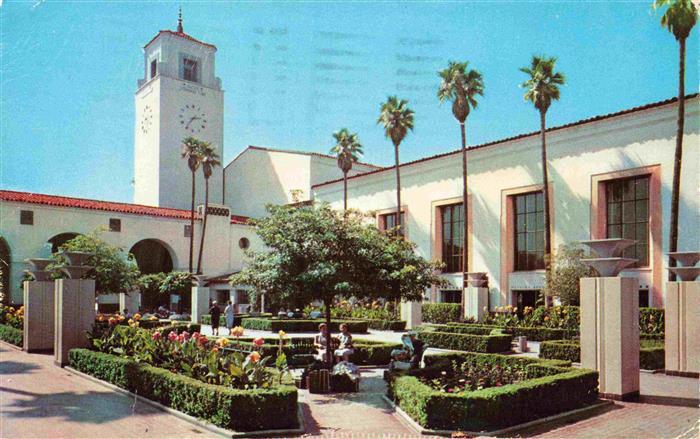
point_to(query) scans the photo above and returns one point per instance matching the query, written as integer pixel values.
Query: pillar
(38, 316)
(682, 328)
(200, 302)
(412, 313)
(475, 299)
(74, 316)
(610, 334)
(130, 301)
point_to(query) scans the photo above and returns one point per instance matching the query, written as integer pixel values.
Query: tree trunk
(545, 196)
(345, 192)
(192, 225)
(204, 225)
(677, 160)
(465, 228)
(398, 190)
(329, 352)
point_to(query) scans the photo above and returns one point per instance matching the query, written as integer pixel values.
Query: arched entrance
(152, 256)
(5, 265)
(60, 239)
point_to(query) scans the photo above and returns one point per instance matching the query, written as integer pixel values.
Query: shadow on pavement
(15, 367)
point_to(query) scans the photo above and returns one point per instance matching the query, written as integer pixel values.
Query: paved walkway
(38, 399)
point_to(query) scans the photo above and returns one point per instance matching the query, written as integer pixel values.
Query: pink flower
(195, 335)
(181, 338)
(202, 341)
(172, 336)
(185, 335)
(157, 336)
(259, 341)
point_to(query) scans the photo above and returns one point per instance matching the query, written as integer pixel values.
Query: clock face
(192, 119)
(146, 118)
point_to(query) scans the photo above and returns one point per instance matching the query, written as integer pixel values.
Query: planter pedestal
(38, 316)
(682, 323)
(475, 299)
(610, 334)
(200, 302)
(412, 313)
(74, 316)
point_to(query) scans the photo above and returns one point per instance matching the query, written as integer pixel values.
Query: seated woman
(320, 340)
(409, 355)
(345, 349)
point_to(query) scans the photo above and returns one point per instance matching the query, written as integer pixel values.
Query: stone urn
(76, 259)
(608, 248)
(39, 275)
(38, 264)
(76, 272)
(609, 262)
(609, 267)
(477, 279)
(685, 259)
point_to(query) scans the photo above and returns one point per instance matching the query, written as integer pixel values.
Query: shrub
(301, 325)
(651, 320)
(384, 325)
(180, 327)
(467, 342)
(532, 333)
(442, 312)
(651, 352)
(11, 335)
(12, 316)
(241, 410)
(550, 389)
(566, 273)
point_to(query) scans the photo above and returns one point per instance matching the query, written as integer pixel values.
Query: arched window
(152, 256)
(60, 239)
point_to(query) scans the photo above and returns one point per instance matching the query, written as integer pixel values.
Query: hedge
(442, 312)
(651, 353)
(383, 325)
(467, 342)
(301, 325)
(179, 327)
(239, 410)
(651, 320)
(534, 333)
(12, 335)
(551, 389)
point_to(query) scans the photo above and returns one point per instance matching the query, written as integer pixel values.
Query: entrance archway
(5, 265)
(152, 256)
(60, 239)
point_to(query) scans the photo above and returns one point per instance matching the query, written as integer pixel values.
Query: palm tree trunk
(204, 225)
(398, 190)
(465, 229)
(345, 192)
(545, 196)
(192, 225)
(675, 195)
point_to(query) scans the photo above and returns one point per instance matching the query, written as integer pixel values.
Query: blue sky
(296, 72)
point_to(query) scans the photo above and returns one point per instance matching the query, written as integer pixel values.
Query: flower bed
(235, 409)
(442, 312)
(544, 388)
(11, 316)
(301, 325)
(11, 335)
(651, 352)
(498, 342)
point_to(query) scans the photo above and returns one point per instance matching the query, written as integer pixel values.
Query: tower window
(115, 225)
(26, 217)
(189, 70)
(154, 68)
(187, 231)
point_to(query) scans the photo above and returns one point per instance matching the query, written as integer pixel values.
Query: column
(38, 316)
(200, 302)
(74, 316)
(412, 313)
(682, 328)
(474, 302)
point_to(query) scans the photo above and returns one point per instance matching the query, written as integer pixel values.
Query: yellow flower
(223, 342)
(131, 321)
(137, 316)
(282, 334)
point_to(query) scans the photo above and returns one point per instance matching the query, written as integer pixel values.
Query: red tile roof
(181, 35)
(519, 136)
(108, 206)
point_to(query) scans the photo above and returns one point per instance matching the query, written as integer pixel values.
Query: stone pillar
(412, 313)
(74, 316)
(682, 328)
(200, 302)
(610, 334)
(131, 302)
(474, 301)
(38, 316)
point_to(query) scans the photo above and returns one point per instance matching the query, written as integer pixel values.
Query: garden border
(195, 421)
(582, 412)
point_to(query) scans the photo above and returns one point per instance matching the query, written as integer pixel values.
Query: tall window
(154, 68)
(529, 231)
(452, 236)
(451, 296)
(627, 214)
(189, 71)
(387, 221)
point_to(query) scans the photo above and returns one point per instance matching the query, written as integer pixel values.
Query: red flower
(185, 335)
(172, 336)
(157, 336)
(259, 341)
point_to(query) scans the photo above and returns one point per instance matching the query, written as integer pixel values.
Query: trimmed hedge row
(442, 312)
(534, 333)
(12, 335)
(383, 325)
(181, 327)
(550, 389)
(240, 410)
(301, 325)
(467, 342)
(652, 355)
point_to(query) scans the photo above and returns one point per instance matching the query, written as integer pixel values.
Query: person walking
(228, 312)
(215, 314)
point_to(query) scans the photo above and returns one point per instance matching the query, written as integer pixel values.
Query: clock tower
(179, 97)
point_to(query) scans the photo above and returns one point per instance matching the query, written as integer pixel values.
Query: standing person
(215, 314)
(228, 312)
(345, 349)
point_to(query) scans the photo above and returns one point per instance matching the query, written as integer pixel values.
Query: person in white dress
(229, 316)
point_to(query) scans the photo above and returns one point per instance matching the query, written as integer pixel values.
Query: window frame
(445, 246)
(153, 70)
(26, 217)
(620, 222)
(115, 225)
(195, 63)
(528, 215)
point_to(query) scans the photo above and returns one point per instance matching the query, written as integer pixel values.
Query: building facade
(610, 176)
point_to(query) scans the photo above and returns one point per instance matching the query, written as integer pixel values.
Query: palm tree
(543, 88)
(348, 150)
(679, 19)
(191, 152)
(461, 87)
(397, 119)
(210, 160)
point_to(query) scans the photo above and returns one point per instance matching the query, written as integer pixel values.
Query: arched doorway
(60, 239)
(152, 256)
(5, 266)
